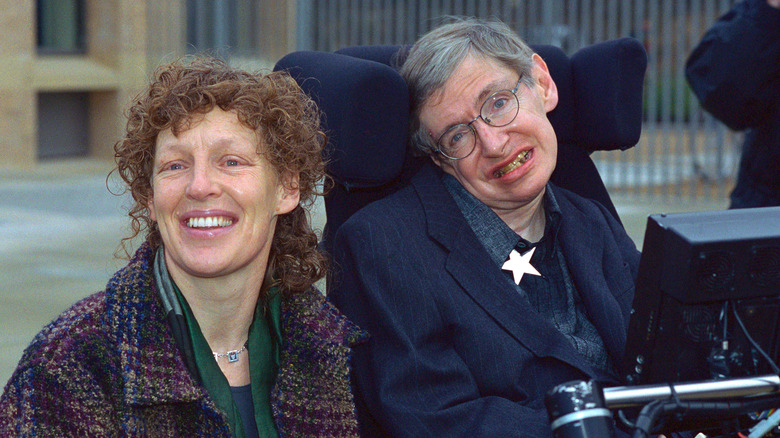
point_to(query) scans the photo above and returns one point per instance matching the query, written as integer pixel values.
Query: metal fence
(683, 151)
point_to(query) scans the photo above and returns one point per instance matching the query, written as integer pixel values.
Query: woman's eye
(231, 163)
(175, 166)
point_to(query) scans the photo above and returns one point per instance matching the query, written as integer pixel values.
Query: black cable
(725, 317)
(650, 414)
(623, 419)
(675, 398)
(755, 345)
(647, 418)
(673, 394)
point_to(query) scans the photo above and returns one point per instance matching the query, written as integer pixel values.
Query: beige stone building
(68, 68)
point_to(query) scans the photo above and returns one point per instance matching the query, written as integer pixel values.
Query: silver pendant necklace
(232, 355)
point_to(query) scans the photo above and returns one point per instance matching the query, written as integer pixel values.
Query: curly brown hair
(274, 106)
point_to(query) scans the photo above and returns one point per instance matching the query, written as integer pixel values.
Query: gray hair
(436, 55)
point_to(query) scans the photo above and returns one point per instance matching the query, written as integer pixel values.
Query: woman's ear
(289, 193)
(544, 79)
(150, 207)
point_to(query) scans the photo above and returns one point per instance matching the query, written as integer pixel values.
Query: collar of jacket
(313, 385)
(153, 371)
(446, 225)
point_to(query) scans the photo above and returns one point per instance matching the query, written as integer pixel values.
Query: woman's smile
(209, 222)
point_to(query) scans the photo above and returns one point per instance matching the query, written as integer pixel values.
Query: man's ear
(436, 159)
(289, 192)
(446, 165)
(544, 79)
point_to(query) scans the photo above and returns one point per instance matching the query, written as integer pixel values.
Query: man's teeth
(208, 222)
(522, 158)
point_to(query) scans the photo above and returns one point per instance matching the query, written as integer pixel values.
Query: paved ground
(62, 226)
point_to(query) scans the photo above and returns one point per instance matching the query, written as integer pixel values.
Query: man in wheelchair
(482, 284)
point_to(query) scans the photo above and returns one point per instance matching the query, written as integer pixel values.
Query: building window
(223, 27)
(63, 124)
(60, 26)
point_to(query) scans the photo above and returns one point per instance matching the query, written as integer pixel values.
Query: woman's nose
(202, 182)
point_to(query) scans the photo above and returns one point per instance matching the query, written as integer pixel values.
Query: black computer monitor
(700, 275)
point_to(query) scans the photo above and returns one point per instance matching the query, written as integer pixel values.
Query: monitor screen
(707, 301)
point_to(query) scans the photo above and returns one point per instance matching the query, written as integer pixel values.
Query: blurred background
(68, 69)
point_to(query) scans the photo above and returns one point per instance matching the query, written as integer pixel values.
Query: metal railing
(683, 151)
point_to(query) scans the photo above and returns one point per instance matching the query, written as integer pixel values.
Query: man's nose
(492, 139)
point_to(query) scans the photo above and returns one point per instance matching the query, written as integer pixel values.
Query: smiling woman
(272, 107)
(207, 331)
(216, 200)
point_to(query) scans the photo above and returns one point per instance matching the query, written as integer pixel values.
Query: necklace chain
(231, 355)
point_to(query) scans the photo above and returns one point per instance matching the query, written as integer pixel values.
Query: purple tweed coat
(108, 366)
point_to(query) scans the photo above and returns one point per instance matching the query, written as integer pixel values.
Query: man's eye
(231, 163)
(456, 139)
(499, 103)
(175, 166)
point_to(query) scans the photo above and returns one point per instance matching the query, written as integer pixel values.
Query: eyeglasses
(500, 109)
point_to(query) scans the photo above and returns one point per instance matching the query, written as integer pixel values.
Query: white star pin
(520, 264)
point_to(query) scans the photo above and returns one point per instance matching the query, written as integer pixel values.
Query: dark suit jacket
(454, 351)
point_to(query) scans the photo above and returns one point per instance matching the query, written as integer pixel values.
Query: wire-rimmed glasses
(499, 109)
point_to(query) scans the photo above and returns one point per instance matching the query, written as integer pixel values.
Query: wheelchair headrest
(367, 107)
(365, 112)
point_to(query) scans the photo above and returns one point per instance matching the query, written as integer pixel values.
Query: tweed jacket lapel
(312, 395)
(469, 264)
(152, 368)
